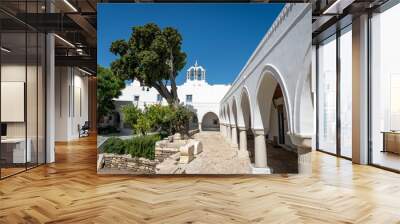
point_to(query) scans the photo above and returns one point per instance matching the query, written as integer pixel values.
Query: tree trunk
(172, 79)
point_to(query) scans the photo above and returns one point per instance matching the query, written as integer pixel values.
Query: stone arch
(228, 114)
(245, 105)
(229, 122)
(266, 85)
(223, 119)
(210, 122)
(247, 140)
(304, 104)
(235, 133)
(234, 112)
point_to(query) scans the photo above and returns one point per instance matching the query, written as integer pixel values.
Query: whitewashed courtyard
(218, 157)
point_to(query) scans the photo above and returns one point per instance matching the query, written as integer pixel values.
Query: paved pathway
(217, 157)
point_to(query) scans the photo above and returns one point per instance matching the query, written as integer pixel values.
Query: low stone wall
(165, 148)
(161, 155)
(127, 163)
(166, 145)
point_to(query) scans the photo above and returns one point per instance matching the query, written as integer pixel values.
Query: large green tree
(109, 87)
(153, 56)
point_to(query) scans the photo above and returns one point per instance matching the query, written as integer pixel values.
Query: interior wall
(71, 102)
(14, 73)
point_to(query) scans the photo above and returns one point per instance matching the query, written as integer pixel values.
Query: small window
(136, 98)
(189, 98)
(159, 98)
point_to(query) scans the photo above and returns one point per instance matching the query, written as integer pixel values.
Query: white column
(234, 138)
(260, 149)
(303, 143)
(360, 90)
(200, 126)
(229, 130)
(50, 95)
(243, 141)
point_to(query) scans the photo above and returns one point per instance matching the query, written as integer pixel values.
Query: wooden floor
(70, 191)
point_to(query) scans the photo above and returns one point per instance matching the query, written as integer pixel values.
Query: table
(16, 147)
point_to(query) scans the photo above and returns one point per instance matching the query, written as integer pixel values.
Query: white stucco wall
(283, 56)
(205, 97)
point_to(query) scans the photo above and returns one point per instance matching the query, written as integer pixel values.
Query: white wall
(71, 87)
(205, 97)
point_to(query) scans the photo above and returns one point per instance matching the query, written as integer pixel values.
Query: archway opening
(210, 122)
(245, 105)
(274, 114)
(235, 120)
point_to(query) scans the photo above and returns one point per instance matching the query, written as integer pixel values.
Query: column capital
(301, 140)
(242, 128)
(260, 131)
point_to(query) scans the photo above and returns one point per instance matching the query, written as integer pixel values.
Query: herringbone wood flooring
(70, 191)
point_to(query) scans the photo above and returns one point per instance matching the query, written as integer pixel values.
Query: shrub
(131, 114)
(182, 116)
(164, 119)
(140, 146)
(143, 125)
(115, 145)
(160, 117)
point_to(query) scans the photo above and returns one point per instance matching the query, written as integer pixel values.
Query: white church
(195, 92)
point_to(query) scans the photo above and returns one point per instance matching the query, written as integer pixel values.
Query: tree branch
(163, 91)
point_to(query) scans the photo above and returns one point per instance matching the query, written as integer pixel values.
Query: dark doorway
(281, 125)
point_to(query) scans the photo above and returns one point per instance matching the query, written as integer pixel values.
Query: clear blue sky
(221, 37)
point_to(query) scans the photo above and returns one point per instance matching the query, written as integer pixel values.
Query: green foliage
(131, 114)
(143, 125)
(115, 145)
(182, 117)
(109, 87)
(164, 119)
(160, 117)
(153, 56)
(169, 119)
(140, 146)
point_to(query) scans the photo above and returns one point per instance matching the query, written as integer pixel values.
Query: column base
(243, 154)
(261, 170)
(303, 143)
(304, 161)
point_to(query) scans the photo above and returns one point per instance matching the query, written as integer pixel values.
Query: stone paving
(217, 158)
